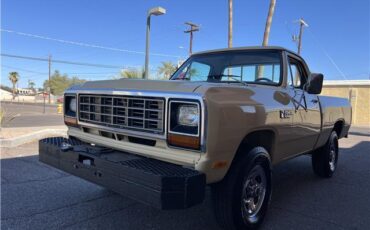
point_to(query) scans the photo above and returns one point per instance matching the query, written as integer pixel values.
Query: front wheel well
(260, 138)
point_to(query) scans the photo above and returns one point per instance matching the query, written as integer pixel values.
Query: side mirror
(314, 85)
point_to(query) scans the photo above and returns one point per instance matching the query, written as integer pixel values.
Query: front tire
(241, 199)
(325, 159)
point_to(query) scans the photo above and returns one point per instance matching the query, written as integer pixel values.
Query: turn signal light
(184, 141)
(70, 121)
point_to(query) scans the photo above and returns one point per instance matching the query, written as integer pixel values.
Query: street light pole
(154, 11)
(193, 28)
(147, 42)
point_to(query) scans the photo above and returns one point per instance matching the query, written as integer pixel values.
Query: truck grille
(126, 112)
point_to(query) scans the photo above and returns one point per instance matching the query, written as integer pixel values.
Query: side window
(295, 77)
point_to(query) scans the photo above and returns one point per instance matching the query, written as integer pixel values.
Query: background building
(358, 92)
(25, 91)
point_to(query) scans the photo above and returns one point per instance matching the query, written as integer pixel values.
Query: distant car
(60, 100)
(224, 119)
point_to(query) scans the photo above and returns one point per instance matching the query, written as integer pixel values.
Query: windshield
(247, 67)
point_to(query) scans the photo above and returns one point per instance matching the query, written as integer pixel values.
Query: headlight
(70, 105)
(184, 124)
(70, 108)
(73, 104)
(188, 115)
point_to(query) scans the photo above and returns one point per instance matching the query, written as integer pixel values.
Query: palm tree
(266, 35)
(132, 73)
(230, 36)
(31, 85)
(14, 77)
(268, 23)
(167, 69)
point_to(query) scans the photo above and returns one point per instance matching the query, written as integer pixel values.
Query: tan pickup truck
(224, 119)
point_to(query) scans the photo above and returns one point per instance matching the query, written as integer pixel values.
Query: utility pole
(49, 90)
(302, 24)
(268, 23)
(230, 36)
(193, 28)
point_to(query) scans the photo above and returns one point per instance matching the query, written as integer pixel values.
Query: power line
(327, 55)
(71, 73)
(63, 61)
(21, 69)
(86, 44)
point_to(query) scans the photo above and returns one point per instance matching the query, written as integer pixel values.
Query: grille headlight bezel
(180, 127)
(70, 110)
(70, 105)
(184, 124)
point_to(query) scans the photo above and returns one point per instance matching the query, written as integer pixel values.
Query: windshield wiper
(234, 77)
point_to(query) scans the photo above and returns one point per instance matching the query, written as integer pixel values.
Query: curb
(29, 103)
(35, 136)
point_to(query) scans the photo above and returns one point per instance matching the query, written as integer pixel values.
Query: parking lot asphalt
(30, 115)
(36, 196)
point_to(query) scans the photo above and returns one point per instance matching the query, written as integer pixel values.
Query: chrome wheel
(332, 157)
(253, 194)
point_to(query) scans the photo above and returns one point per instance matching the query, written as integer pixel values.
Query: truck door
(306, 117)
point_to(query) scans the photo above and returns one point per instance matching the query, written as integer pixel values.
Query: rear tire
(241, 199)
(325, 159)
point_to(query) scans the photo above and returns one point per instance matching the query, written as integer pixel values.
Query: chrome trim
(166, 95)
(183, 102)
(65, 105)
(85, 112)
(123, 131)
(188, 158)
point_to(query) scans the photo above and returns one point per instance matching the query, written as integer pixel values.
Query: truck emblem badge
(284, 114)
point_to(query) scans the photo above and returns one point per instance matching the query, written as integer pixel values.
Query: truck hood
(141, 85)
(166, 86)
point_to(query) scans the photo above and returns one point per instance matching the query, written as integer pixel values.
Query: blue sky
(338, 33)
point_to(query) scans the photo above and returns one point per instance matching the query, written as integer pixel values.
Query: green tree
(31, 85)
(75, 81)
(59, 83)
(167, 69)
(14, 77)
(132, 73)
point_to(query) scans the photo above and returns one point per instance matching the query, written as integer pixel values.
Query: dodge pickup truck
(224, 120)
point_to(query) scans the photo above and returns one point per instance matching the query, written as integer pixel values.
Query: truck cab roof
(246, 48)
